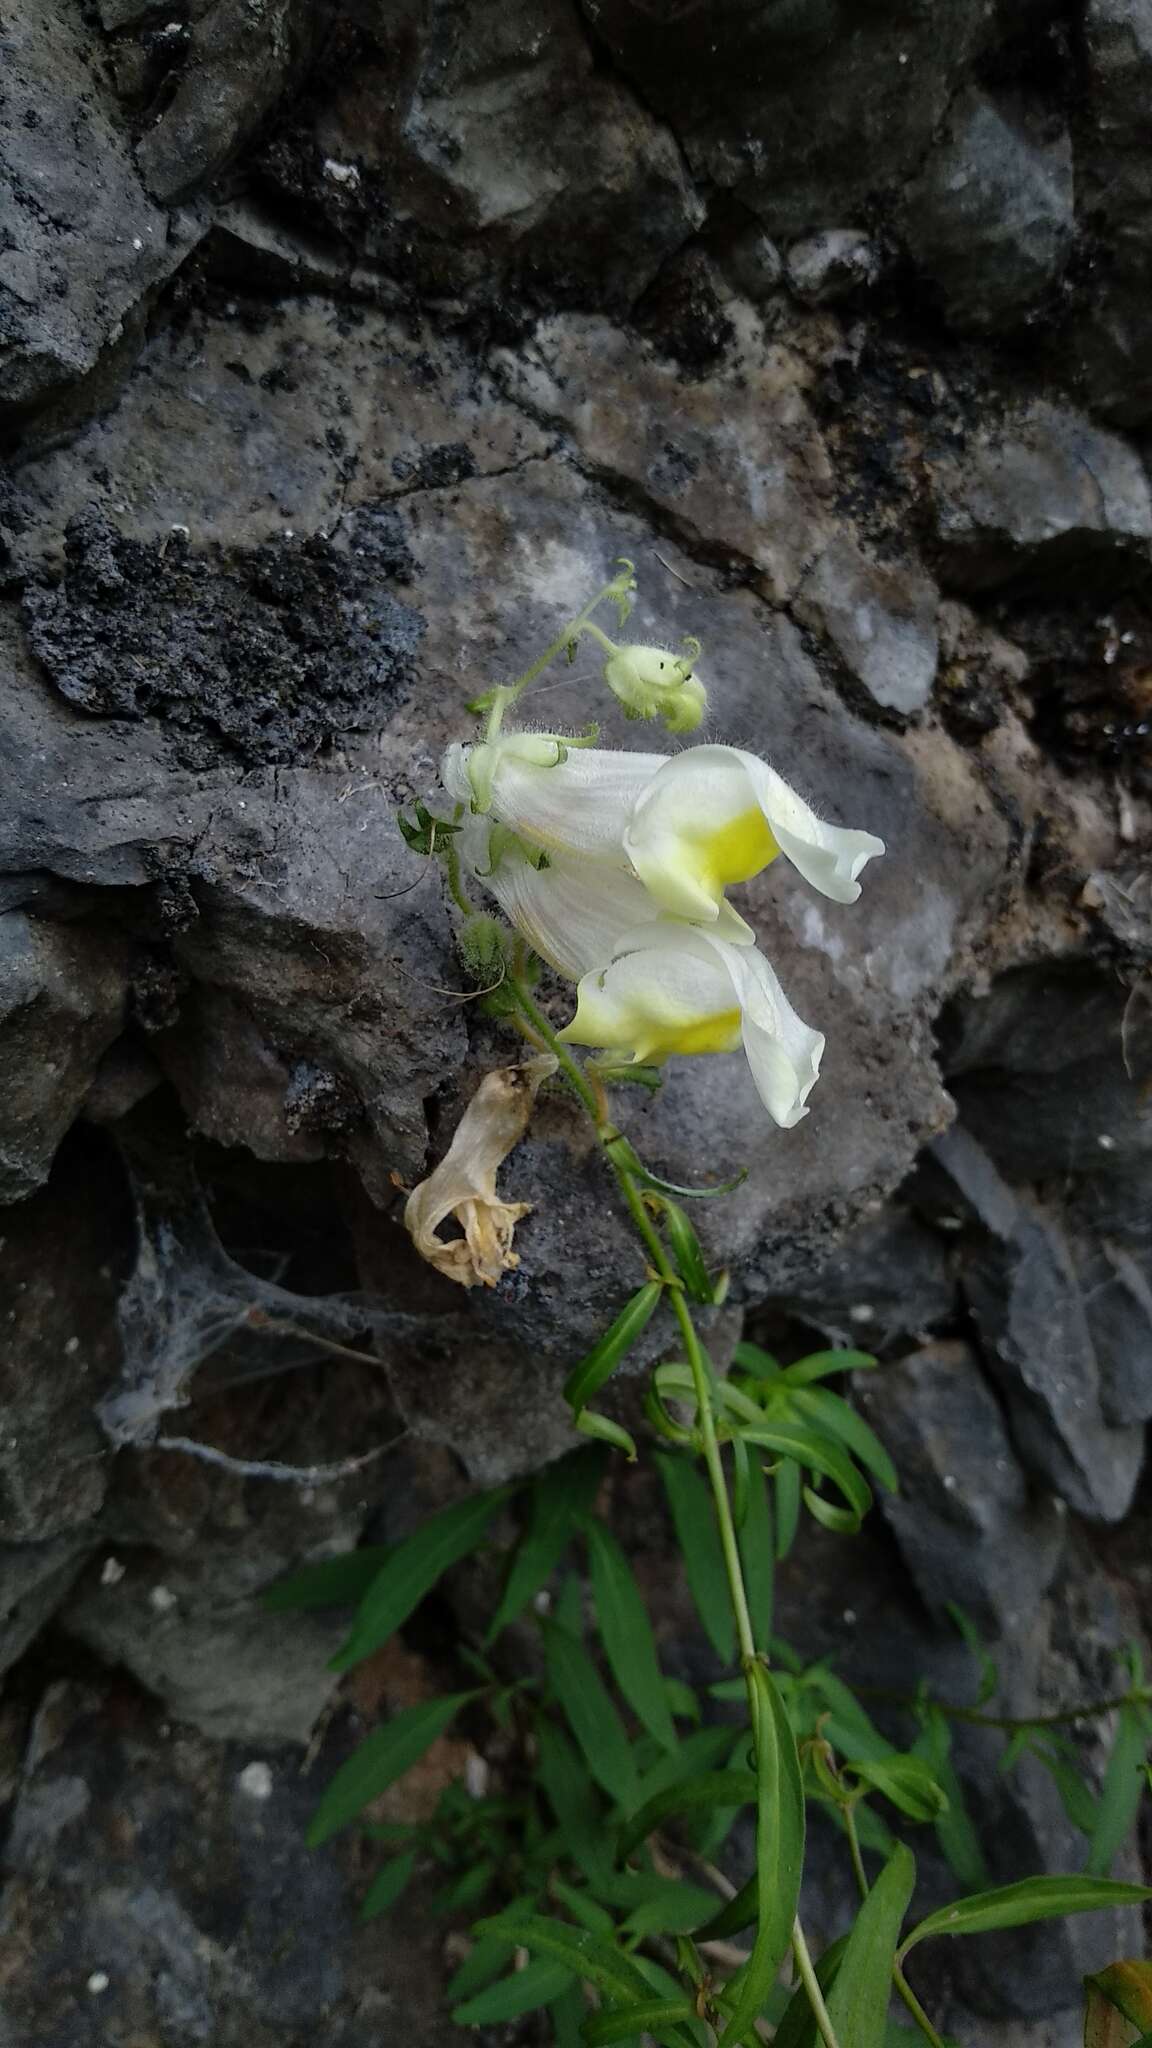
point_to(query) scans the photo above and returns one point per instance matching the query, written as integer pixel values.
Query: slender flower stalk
(702, 1381)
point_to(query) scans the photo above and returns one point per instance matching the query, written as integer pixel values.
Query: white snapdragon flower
(688, 826)
(649, 985)
(673, 988)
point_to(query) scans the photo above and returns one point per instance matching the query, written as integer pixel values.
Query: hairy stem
(505, 695)
(701, 1370)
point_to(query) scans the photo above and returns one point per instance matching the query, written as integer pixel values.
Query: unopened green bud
(481, 942)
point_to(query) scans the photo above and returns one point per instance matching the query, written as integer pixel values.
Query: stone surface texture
(343, 350)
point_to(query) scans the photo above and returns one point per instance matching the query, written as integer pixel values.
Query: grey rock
(890, 1277)
(140, 1852)
(1118, 1303)
(35, 1579)
(585, 193)
(990, 217)
(880, 618)
(831, 265)
(239, 62)
(62, 998)
(1041, 493)
(1022, 1287)
(1113, 332)
(1038, 1066)
(61, 1257)
(221, 1664)
(963, 1518)
(804, 112)
(85, 247)
(754, 264)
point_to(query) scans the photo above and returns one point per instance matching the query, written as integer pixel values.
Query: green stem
(505, 695)
(701, 1369)
(1091, 1710)
(854, 1849)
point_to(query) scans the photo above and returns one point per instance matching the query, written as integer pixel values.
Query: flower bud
(652, 683)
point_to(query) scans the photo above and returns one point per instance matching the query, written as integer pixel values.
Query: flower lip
(715, 815)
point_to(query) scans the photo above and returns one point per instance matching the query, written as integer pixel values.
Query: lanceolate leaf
(412, 1571)
(699, 1543)
(591, 1715)
(588, 1956)
(626, 1633)
(537, 1984)
(1018, 1905)
(335, 1582)
(908, 1782)
(388, 1885)
(1121, 1792)
(560, 1497)
(600, 1363)
(758, 1552)
(711, 1789)
(779, 1853)
(828, 1412)
(858, 2002)
(820, 1364)
(805, 1447)
(379, 1761)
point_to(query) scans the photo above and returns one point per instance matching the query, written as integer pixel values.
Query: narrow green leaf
(848, 1728)
(828, 1412)
(682, 1701)
(1120, 1794)
(670, 1907)
(760, 1363)
(699, 1542)
(591, 1423)
(626, 1633)
(819, 1364)
(758, 1552)
(628, 2022)
(779, 1853)
(699, 1751)
(989, 1672)
(467, 1889)
(582, 1906)
(379, 1761)
(566, 2014)
(413, 1569)
(600, 1363)
(687, 1253)
(858, 2001)
(334, 1582)
(787, 1507)
(1018, 1905)
(955, 1830)
(711, 1789)
(572, 1797)
(591, 1715)
(1077, 1798)
(537, 1984)
(484, 1961)
(388, 1885)
(907, 1781)
(790, 1440)
(588, 1956)
(732, 1918)
(560, 1498)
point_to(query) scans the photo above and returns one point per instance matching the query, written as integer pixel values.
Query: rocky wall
(343, 348)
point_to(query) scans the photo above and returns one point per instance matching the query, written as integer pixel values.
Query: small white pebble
(949, 1482)
(862, 1313)
(542, 1601)
(163, 1599)
(848, 1616)
(111, 1572)
(256, 1781)
(289, 533)
(476, 1775)
(72, 1347)
(98, 1982)
(950, 1222)
(185, 530)
(341, 174)
(137, 241)
(1106, 1142)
